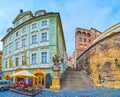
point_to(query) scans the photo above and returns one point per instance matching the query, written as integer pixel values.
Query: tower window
(89, 41)
(88, 34)
(79, 33)
(80, 39)
(84, 34)
(84, 39)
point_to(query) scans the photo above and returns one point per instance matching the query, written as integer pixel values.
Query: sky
(98, 14)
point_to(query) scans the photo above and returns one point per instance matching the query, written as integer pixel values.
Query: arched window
(84, 39)
(89, 41)
(79, 33)
(80, 39)
(88, 34)
(84, 34)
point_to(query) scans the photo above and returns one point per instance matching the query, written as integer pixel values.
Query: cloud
(99, 14)
(8, 11)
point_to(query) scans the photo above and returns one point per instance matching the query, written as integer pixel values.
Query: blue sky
(99, 14)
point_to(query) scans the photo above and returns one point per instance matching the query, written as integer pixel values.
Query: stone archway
(7, 75)
(41, 77)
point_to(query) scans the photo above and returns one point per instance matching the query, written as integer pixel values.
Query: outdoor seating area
(30, 91)
(23, 88)
(20, 85)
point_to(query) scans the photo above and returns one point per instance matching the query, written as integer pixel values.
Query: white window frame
(17, 61)
(6, 64)
(34, 39)
(17, 34)
(24, 19)
(44, 23)
(17, 45)
(44, 37)
(24, 30)
(44, 57)
(34, 25)
(10, 48)
(24, 42)
(34, 58)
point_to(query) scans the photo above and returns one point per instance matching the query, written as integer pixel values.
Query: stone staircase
(75, 80)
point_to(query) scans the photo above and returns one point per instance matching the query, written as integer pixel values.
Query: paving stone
(72, 93)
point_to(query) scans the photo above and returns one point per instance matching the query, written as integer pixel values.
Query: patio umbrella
(23, 73)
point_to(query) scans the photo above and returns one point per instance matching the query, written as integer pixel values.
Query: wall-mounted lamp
(117, 63)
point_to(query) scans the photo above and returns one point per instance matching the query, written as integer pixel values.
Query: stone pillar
(56, 80)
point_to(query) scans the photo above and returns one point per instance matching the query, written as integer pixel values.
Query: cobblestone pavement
(87, 93)
(74, 80)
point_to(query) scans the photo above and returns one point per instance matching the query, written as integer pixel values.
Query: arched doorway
(7, 75)
(41, 77)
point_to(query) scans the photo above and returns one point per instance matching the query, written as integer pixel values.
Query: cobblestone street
(87, 93)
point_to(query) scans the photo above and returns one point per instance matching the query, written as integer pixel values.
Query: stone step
(73, 80)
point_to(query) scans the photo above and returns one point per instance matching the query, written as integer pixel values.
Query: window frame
(44, 23)
(34, 39)
(34, 25)
(17, 45)
(44, 57)
(17, 61)
(24, 30)
(34, 58)
(24, 42)
(44, 36)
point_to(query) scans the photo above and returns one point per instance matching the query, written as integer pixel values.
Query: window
(44, 57)
(17, 34)
(44, 36)
(6, 51)
(78, 32)
(34, 58)
(23, 60)
(44, 23)
(17, 61)
(88, 34)
(10, 38)
(24, 30)
(33, 39)
(23, 42)
(80, 39)
(89, 41)
(10, 49)
(84, 39)
(34, 26)
(84, 34)
(24, 19)
(6, 64)
(17, 45)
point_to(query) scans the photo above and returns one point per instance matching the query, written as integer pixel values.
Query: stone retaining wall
(99, 62)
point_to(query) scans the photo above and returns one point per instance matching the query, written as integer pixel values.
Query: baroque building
(32, 43)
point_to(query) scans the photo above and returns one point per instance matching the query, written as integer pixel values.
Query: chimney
(21, 10)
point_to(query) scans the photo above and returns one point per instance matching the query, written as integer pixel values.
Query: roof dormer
(40, 12)
(22, 17)
(9, 29)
